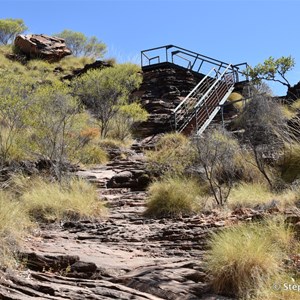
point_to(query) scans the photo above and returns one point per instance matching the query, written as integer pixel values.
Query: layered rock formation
(99, 64)
(42, 46)
(163, 88)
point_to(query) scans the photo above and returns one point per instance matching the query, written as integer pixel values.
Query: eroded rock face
(162, 90)
(42, 46)
(99, 65)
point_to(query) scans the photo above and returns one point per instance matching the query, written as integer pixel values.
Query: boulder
(42, 46)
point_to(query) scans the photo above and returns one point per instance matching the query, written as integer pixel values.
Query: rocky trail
(122, 256)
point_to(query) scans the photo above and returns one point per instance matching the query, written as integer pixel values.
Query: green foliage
(172, 155)
(173, 197)
(91, 154)
(71, 63)
(273, 69)
(52, 119)
(10, 28)
(15, 102)
(53, 201)
(104, 91)
(81, 45)
(245, 258)
(127, 116)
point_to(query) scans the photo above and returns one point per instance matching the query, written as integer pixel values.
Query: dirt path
(124, 256)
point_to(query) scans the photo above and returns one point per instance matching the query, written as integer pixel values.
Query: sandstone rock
(42, 46)
(99, 64)
(161, 91)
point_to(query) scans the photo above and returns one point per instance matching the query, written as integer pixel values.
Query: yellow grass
(14, 224)
(244, 259)
(253, 194)
(51, 201)
(172, 197)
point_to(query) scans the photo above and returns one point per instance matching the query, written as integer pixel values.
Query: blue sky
(230, 30)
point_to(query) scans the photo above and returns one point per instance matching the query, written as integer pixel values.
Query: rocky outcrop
(293, 93)
(162, 89)
(99, 64)
(42, 46)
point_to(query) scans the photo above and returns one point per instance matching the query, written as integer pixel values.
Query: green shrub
(124, 120)
(172, 155)
(92, 154)
(51, 201)
(244, 259)
(172, 197)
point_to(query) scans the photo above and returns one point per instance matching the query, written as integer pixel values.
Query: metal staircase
(201, 105)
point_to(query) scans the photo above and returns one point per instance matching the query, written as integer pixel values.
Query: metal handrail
(167, 53)
(187, 109)
(215, 83)
(193, 90)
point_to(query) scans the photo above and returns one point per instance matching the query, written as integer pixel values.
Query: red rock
(42, 46)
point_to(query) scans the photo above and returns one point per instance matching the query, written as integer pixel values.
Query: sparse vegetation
(81, 45)
(44, 117)
(215, 153)
(171, 197)
(14, 224)
(172, 155)
(290, 163)
(105, 92)
(257, 194)
(273, 70)
(265, 132)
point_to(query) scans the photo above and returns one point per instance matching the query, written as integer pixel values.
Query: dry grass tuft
(51, 201)
(173, 197)
(244, 259)
(14, 224)
(254, 194)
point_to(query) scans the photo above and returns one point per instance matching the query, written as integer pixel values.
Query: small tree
(273, 70)
(215, 152)
(265, 130)
(10, 28)
(52, 119)
(127, 116)
(14, 103)
(81, 45)
(104, 91)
